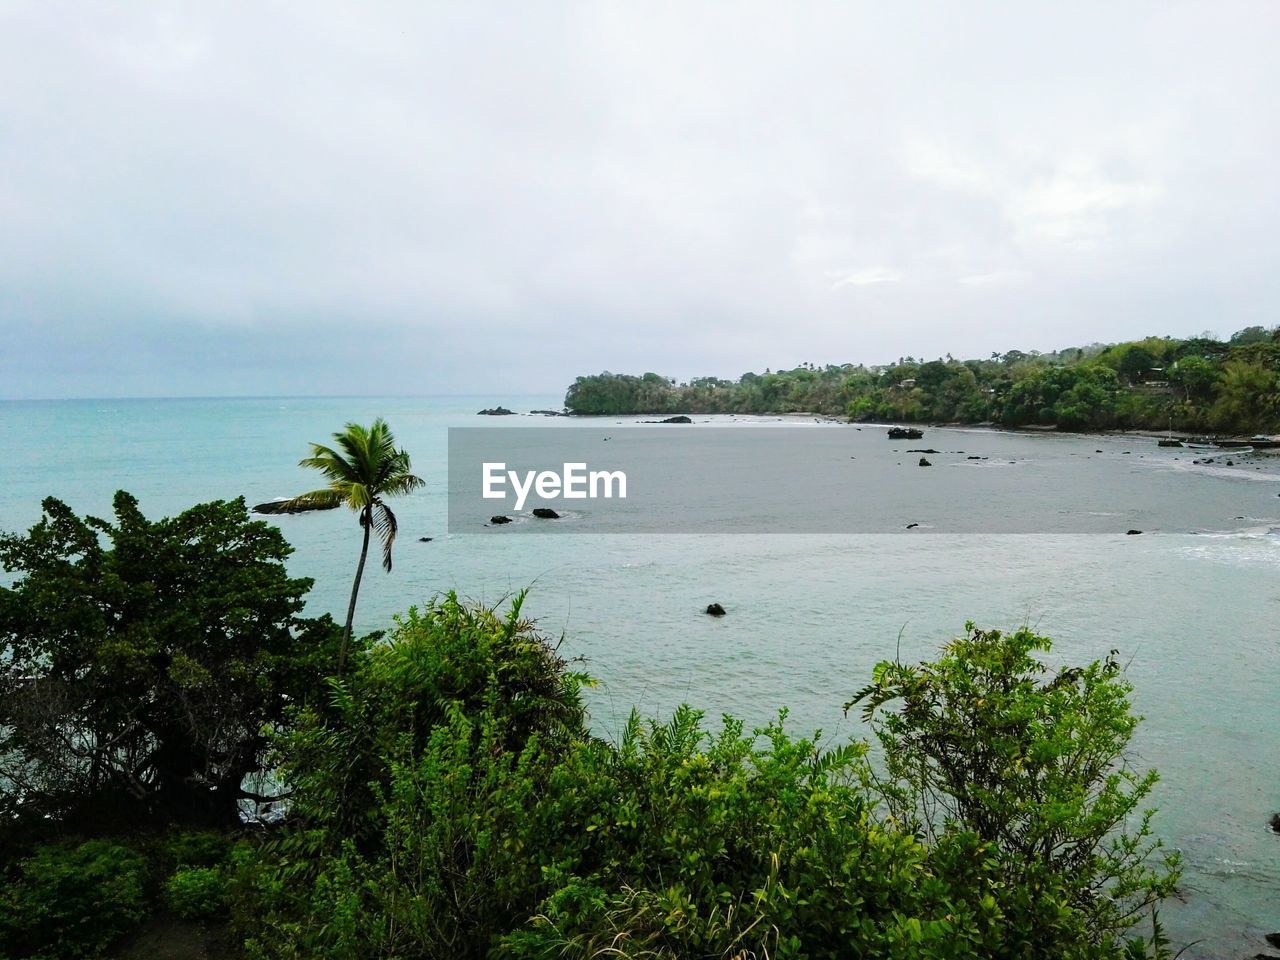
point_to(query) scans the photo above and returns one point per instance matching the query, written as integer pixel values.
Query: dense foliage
(142, 661)
(984, 738)
(71, 900)
(450, 803)
(1201, 384)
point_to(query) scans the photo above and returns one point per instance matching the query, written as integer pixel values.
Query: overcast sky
(409, 198)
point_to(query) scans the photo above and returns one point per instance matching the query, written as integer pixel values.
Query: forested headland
(1200, 385)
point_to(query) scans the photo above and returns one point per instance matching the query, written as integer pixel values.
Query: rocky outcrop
(496, 412)
(905, 433)
(925, 463)
(677, 419)
(499, 520)
(545, 513)
(289, 506)
(714, 610)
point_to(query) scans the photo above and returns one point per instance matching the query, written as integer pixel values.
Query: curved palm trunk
(366, 521)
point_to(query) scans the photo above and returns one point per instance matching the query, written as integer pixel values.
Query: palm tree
(365, 468)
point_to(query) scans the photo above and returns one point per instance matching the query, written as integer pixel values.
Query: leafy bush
(196, 893)
(985, 740)
(408, 786)
(760, 845)
(197, 849)
(70, 901)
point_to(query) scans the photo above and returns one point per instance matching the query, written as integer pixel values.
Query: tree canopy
(1199, 384)
(141, 661)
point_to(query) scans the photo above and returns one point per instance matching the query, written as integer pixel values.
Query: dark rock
(905, 433)
(545, 513)
(912, 526)
(496, 412)
(929, 450)
(925, 463)
(1133, 533)
(499, 519)
(975, 458)
(1231, 463)
(715, 610)
(677, 419)
(1097, 451)
(288, 506)
(1275, 823)
(1273, 939)
(425, 539)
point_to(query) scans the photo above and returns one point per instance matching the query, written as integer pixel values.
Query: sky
(206, 199)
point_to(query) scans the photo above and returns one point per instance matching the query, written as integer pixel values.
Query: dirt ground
(168, 938)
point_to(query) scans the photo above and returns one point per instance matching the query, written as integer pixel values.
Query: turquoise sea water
(1193, 608)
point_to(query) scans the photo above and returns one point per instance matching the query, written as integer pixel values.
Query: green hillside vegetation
(1199, 385)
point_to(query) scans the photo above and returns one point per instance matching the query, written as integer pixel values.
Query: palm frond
(384, 523)
(330, 463)
(401, 484)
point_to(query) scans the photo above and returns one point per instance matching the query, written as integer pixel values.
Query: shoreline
(1027, 429)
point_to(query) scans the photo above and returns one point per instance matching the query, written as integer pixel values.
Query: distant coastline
(1197, 386)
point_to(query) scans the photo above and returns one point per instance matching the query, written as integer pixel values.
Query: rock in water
(545, 513)
(496, 412)
(905, 433)
(425, 539)
(1133, 533)
(715, 610)
(925, 463)
(681, 418)
(499, 520)
(282, 506)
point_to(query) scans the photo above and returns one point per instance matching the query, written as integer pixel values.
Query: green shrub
(196, 893)
(451, 803)
(71, 901)
(985, 739)
(197, 849)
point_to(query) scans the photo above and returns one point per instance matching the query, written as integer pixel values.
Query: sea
(1192, 605)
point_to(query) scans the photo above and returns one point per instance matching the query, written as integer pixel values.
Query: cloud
(416, 198)
(868, 276)
(996, 278)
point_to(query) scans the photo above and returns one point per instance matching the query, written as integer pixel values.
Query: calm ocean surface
(1193, 608)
